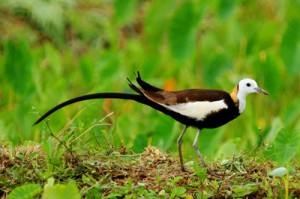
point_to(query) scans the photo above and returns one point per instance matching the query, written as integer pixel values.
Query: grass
(152, 173)
(108, 172)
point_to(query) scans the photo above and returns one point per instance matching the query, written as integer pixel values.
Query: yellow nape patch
(233, 95)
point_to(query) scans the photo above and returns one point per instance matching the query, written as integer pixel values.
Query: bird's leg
(179, 142)
(195, 146)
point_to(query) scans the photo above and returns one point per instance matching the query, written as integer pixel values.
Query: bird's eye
(248, 84)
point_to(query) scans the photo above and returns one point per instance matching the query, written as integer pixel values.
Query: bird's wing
(194, 103)
(185, 96)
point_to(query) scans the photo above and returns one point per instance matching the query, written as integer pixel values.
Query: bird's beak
(260, 90)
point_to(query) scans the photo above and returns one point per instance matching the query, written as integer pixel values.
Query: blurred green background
(54, 50)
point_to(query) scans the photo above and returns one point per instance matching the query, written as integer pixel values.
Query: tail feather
(145, 85)
(134, 87)
(135, 97)
(140, 97)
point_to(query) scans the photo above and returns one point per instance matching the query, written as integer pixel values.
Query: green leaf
(269, 69)
(25, 191)
(244, 190)
(87, 68)
(178, 191)
(50, 182)
(108, 65)
(292, 112)
(285, 146)
(228, 149)
(289, 46)
(114, 195)
(53, 58)
(162, 137)
(18, 66)
(124, 10)
(210, 141)
(87, 179)
(226, 8)
(214, 65)
(61, 191)
(200, 171)
(48, 147)
(155, 23)
(182, 31)
(140, 142)
(276, 126)
(175, 180)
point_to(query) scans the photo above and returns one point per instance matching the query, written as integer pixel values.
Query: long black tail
(135, 97)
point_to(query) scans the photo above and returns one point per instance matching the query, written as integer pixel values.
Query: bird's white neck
(238, 98)
(241, 101)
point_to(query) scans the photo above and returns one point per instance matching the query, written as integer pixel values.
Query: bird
(198, 108)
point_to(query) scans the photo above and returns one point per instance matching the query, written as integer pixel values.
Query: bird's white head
(245, 87)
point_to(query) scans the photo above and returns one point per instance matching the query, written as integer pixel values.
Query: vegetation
(51, 51)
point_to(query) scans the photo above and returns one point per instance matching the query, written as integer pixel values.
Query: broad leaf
(289, 46)
(214, 65)
(18, 66)
(182, 30)
(124, 10)
(25, 191)
(276, 126)
(178, 192)
(61, 191)
(285, 146)
(269, 69)
(226, 8)
(155, 23)
(244, 190)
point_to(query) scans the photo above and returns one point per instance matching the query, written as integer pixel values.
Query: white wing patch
(197, 110)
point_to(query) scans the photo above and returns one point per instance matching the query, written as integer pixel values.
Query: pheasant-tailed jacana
(200, 108)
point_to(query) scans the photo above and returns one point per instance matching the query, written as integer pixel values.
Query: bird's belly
(202, 114)
(211, 120)
(218, 119)
(199, 110)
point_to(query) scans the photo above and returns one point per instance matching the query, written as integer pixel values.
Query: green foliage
(51, 51)
(18, 66)
(53, 152)
(60, 191)
(211, 44)
(155, 24)
(270, 70)
(289, 48)
(150, 174)
(200, 172)
(178, 192)
(226, 8)
(25, 192)
(285, 146)
(182, 31)
(276, 127)
(124, 10)
(241, 191)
